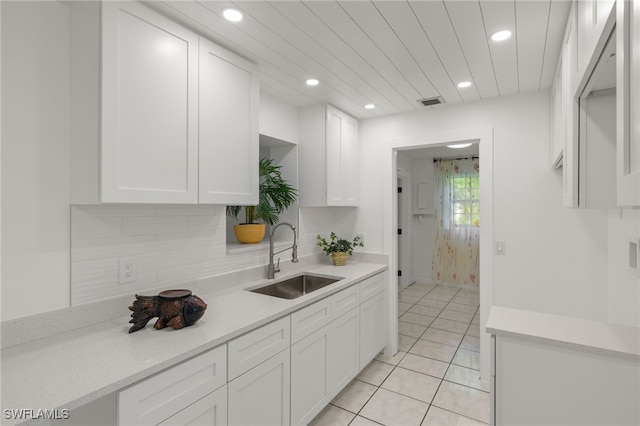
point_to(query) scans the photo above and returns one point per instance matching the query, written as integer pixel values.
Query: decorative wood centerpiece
(174, 308)
(339, 248)
(275, 195)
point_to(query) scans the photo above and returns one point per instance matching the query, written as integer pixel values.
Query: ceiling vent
(432, 101)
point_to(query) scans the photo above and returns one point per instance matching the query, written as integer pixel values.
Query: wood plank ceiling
(389, 53)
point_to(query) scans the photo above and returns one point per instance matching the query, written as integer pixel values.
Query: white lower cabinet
(283, 373)
(373, 327)
(345, 350)
(261, 396)
(209, 411)
(310, 375)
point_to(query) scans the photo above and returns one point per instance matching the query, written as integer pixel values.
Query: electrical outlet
(127, 270)
(361, 238)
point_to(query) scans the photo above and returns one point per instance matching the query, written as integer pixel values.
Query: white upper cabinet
(228, 127)
(179, 117)
(328, 150)
(628, 103)
(149, 143)
(592, 17)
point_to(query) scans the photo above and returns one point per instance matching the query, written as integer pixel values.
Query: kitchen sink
(296, 286)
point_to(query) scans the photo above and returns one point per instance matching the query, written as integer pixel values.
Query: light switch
(500, 247)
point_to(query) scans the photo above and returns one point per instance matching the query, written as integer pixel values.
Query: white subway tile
(87, 227)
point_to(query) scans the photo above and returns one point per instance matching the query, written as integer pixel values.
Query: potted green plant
(275, 194)
(339, 248)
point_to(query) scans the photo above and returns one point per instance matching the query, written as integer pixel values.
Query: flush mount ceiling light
(369, 106)
(312, 82)
(501, 35)
(464, 84)
(232, 15)
(459, 145)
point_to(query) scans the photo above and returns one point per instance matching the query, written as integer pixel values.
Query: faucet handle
(277, 267)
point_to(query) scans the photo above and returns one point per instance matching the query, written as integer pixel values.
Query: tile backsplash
(171, 245)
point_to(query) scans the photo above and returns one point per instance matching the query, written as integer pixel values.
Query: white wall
(623, 295)
(555, 257)
(35, 157)
(422, 170)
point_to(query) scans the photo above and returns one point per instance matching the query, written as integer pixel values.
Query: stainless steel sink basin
(296, 286)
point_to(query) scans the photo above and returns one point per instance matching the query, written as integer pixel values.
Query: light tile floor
(434, 378)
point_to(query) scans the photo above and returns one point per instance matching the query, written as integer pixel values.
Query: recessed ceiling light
(369, 106)
(501, 35)
(312, 82)
(459, 145)
(464, 84)
(232, 15)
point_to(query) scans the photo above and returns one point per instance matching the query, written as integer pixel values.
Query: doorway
(484, 138)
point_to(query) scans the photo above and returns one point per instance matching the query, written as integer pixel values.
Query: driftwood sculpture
(174, 308)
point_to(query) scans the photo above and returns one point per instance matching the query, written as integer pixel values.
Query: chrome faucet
(273, 269)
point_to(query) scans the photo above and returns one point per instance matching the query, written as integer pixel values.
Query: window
(465, 200)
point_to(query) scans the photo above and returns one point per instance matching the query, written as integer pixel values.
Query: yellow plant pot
(249, 233)
(339, 258)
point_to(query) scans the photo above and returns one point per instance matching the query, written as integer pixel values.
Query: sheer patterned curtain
(457, 222)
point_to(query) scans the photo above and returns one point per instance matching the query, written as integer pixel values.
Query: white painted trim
(406, 225)
(484, 136)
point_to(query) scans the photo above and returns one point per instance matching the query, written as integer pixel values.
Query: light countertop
(68, 370)
(617, 341)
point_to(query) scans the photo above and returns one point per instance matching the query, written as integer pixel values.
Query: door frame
(484, 137)
(404, 222)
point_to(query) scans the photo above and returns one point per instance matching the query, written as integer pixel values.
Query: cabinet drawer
(157, 398)
(372, 286)
(344, 301)
(309, 319)
(210, 410)
(257, 346)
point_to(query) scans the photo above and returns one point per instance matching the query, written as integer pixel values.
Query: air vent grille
(431, 101)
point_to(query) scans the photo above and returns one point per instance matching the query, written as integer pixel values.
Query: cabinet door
(261, 396)
(628, 103)
(570, 156)
(345, 350)
(334, 171)
(310, 375)
(373, 327)
(228, 127)
(149, 128)
(210, 411)
(341, 159)
(349, 146)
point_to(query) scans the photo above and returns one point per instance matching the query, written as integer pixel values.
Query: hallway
(433, 380)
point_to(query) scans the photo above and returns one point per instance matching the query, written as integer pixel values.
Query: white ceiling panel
(390, 53)
(409, 30)
(532, 19)
(469, 27)
(437, 24)
(498, 16)
(558, 15)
